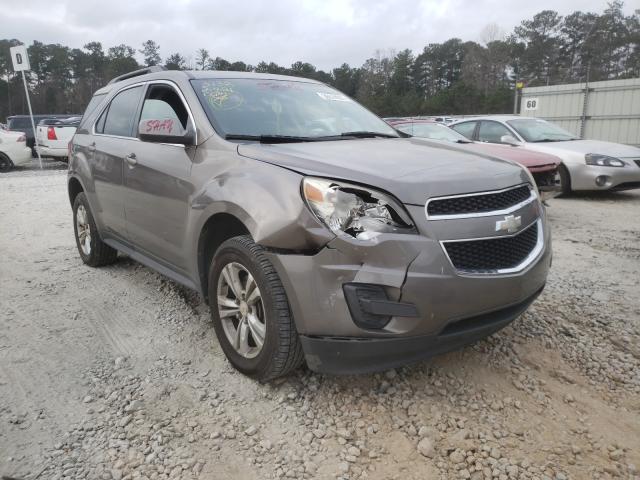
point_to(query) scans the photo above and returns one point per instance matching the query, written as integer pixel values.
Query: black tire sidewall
(253, 367)
(5, 163)
(565, 180)
(81, 199)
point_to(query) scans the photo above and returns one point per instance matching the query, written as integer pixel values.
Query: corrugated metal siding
(612, 113)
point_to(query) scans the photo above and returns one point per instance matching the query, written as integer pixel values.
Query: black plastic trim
(348, 355)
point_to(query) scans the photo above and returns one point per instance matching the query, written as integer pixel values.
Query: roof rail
(136, 73)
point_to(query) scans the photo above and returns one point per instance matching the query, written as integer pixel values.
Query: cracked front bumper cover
(362, 355)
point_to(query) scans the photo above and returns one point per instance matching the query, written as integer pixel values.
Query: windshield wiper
(272, 138)
(365, 134)
(542, 140)
(463, 141)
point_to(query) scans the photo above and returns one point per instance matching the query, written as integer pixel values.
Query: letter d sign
(20, 58)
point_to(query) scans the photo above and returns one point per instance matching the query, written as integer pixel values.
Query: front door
(157, 184)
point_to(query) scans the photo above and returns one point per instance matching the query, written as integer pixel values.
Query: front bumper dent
(334, 355)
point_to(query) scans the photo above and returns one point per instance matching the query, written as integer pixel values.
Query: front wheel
(565, 180)
(250, 311)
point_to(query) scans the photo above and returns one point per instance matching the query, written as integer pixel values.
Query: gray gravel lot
(115, 373)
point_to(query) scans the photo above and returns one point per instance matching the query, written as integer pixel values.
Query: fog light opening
(602, 180)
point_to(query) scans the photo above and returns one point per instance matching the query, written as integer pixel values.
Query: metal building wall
(608, 110)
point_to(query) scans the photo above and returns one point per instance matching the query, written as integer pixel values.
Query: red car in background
(543, 167)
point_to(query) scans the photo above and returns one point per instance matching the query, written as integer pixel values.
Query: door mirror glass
(509, 140)
(164, 130)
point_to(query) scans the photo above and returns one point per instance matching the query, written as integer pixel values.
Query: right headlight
(357, 211)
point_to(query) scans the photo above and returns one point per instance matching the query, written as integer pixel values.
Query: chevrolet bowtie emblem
(510, 224)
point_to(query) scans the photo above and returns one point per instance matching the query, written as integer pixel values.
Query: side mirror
(165, 130)
(509, 140)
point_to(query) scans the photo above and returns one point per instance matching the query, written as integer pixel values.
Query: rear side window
(492, 132)
(121, 113)
(465, 129)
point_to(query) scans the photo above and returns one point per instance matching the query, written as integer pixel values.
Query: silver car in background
(586, 164)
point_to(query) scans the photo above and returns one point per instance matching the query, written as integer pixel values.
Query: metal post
(33, 125)
(515, 93)
(585, 103)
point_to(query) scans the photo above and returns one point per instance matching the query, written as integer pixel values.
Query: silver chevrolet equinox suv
(313, 230)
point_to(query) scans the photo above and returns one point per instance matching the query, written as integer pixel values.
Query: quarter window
(120, 116)
(465, 129)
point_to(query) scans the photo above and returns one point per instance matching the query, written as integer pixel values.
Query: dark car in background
(542, 166)
(22, 123)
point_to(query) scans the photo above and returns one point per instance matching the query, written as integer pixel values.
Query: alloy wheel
(83, 230)
(241, 310)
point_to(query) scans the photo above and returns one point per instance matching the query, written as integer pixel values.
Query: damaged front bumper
(437, 308)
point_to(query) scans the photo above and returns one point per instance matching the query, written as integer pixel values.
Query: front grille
(480, 203)
(494, 253)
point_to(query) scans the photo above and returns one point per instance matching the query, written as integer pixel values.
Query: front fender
(266, 199)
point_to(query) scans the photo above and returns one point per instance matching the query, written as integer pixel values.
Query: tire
(5, 163)
(565, 180)
(93, 251)
(241, 259)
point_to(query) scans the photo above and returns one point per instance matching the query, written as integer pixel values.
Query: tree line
(453, 77)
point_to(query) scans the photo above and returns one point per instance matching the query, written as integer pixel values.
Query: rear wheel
(5, 163)
(565, 180)
(93, 251)
(250, 311)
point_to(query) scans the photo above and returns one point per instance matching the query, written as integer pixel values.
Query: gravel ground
(115, 373)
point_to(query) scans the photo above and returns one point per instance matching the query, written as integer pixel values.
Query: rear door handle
(131, 159)
(92, 147)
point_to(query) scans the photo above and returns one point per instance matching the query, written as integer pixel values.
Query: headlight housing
(354, 210)
(603, 160)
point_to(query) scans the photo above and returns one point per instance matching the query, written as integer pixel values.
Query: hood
(617, 150)
(528, 158)
(411, 169)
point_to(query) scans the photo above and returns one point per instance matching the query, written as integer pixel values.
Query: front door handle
(131, 159)
(92, 147)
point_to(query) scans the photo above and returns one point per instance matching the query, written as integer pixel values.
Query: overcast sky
(325, 33)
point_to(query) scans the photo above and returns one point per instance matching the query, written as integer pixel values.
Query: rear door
(112, 142)
(157, 183)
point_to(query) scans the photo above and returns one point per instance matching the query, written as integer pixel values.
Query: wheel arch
(217, 229)
(74, 187)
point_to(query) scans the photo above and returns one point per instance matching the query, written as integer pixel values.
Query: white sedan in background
(586, 164)
(13, 150)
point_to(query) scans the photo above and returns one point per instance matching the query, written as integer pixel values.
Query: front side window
(492, 132)
(266, 107)
(466, 129)
(163, 103)
(119, 118)
(537, 130)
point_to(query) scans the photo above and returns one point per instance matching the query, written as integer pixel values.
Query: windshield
(433, 131)
(20, 123)
(266, 107)
(536, 130)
